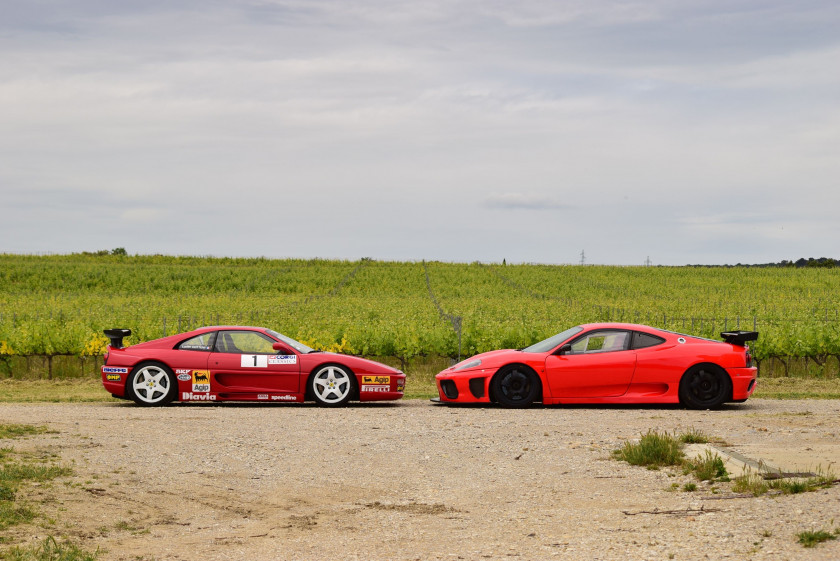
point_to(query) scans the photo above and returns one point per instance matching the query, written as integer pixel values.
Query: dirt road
(418, 481)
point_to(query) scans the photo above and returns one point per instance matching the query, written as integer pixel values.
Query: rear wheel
(705, 386)
(152, 384)
(331, 385)
(516, 386)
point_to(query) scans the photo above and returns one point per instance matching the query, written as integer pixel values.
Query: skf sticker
(283, 398)
(282, 359)
(114, 370)
(378, 380)
(254, 361)
(182, 371)
(185, 377)
(187, 396)
(376, 389)
(201, 381)
(113, 377)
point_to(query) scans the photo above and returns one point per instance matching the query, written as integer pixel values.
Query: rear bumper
(114, 379)
(743, 382)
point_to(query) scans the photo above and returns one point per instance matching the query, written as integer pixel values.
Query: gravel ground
(414, 480)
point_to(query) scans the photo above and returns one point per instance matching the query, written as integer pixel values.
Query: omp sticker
(377, 389)
(262, 396)
(113, 377)
(201, 381)
(282, 359)
(254, 361)
(187, 396)
(185, 377)
(114, 370)
(376, 380)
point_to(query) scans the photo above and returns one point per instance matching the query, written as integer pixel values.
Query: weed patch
(653, 450)
(50, 550)
(812, 538)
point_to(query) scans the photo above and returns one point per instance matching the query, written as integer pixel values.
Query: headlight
(469, 364)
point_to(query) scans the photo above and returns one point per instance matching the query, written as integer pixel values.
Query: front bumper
(464, 387)
(381, 388)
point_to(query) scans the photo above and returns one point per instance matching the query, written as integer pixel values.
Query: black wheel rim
(705, 386)
(516, 386)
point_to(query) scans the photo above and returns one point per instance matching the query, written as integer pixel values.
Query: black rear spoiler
(739, 337)
(116, 336)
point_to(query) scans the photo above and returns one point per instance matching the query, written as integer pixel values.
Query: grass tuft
(706, 468)
(17, 431)
(693, 436)
(50, 550)
(653, 450)
(811, 538)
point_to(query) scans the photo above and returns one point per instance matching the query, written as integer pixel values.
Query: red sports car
(240, 364)
(608, 363)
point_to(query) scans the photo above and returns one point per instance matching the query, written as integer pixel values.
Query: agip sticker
(376, 380)
(200, 381)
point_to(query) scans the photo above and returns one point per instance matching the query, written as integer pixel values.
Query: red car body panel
(209, 375)
(642, 375)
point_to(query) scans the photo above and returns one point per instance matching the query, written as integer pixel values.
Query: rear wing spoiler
(739, 337)
(116, 336)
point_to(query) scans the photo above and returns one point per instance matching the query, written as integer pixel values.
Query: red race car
(608, 363)
(240, 364)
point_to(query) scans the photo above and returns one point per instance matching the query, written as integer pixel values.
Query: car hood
(490, 358)
(358, 364)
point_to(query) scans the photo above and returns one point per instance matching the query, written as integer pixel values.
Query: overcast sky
(462, 130)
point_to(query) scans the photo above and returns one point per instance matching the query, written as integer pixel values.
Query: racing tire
(516, 386)
(332, 385)
(152, 384)
(705, 386)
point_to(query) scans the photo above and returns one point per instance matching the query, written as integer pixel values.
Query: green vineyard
(59, 305)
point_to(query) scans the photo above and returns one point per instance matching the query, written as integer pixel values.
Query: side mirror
(565, 349)
(282, 349)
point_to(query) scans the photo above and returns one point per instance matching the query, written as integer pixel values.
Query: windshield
(551, 342)
(300, 347)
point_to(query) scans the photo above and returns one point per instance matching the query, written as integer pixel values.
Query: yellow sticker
(200, 381)
(376, 380)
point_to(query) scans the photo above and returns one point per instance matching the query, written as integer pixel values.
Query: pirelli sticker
(375, 389)
(376, 380)
(200, 381)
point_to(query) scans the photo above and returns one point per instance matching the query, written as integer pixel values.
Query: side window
(601, 342)
(203, 342)
(645, 340)
(244, 342)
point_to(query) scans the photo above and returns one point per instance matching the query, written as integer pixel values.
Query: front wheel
(152, 384)
(705, 386)
(331, 385)
(516, 386)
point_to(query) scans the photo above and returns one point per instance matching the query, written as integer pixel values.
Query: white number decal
(254, 361)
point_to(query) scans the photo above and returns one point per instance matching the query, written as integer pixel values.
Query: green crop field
(59, 305)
